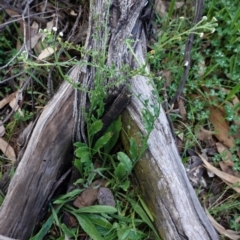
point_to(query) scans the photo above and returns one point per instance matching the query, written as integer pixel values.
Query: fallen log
(160, 173)
(172, 199)
(39, 168)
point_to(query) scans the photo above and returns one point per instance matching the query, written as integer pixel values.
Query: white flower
(61, 34)
(54, 29)
(45, 30)
(204, 18)
(181, 18)
(201, 34)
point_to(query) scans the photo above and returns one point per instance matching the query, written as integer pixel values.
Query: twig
(188, 48)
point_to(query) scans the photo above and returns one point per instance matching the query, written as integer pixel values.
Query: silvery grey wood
(160, 173)
(165, 187)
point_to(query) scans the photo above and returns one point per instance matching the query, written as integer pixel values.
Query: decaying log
(39, 168)
(160, 172)
(165, 187)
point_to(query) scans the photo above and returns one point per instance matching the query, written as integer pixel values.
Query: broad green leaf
(125, 185)
(100, 221)
(137, 208)
(146, 209)
(102, 141)
(133, 149)
(97, 209)
(67, 231)
(125, 160)
(44, 229)
(171, 8)
(68, 196)
(46, 226)
(80, 180)
(123, 233)
(95, 127)
(55, 216)
(120, 171)
(82, 152)
(233, 92)
(79, 165)
(115, 129)
(79, 144)
(88, 226)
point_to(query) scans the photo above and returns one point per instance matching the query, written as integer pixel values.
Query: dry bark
(39, 168)
(160, 173)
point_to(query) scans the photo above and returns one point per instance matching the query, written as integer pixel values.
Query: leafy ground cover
(206, 119)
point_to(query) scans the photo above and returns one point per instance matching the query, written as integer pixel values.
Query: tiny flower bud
(181, 18)
(54, 29)
(213, 30)
(214, 19)
(204, 18)
(61, 34)
(201, 34)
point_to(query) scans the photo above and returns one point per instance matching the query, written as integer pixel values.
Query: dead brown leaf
(46, 53)
(11, 13)
(182, 109)
(7, 150)
(203, 134)
(232, 181)
(225, 154)
(221, 127)
(162, 7)
(7, 99)
(225, 168)
(14, 103)
(167, 75)
(226, 232)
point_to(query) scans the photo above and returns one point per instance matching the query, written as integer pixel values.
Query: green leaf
(115, 129)
(83, 153)
(79, 165)
(88, 226)
(97, 209)
(80, 180)
(125, 160)
(101, 142)
(79, 144)
(100, 221)
(95, 127)
(125, 185)
(68, 196)
(137, 208)
(44, 230)
(146, 209)
(133, 149)
(67, 231)
(46, 226)
(233, 92)
(120, 171)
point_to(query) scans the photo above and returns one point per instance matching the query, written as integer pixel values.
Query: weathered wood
(176, 209)
(39, 168)
(160, 173)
